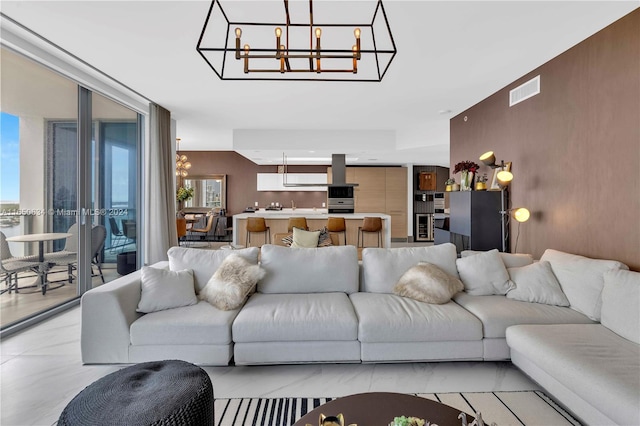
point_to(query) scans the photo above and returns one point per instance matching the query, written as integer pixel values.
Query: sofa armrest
(107, 313)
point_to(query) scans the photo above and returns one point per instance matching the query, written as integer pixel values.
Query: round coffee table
(379, 409)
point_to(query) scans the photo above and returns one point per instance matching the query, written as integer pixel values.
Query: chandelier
(182, 163)
(298, 42)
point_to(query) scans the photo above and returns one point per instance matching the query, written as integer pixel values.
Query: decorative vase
(466, 180)
(481, 186)
(455, 187)
(448, 188)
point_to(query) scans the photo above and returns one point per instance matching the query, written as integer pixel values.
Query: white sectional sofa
(321, 305)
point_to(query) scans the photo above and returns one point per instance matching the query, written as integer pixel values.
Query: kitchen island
(278, 220)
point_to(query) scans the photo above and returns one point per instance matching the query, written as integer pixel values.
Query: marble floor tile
(41, 371)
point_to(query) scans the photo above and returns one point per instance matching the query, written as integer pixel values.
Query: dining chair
(10, 265)
(337, 225)
(370, 225)
(257, 224)
(181, 227)
(206, 229)
(98, 237)
(69, 254)
(116, 234)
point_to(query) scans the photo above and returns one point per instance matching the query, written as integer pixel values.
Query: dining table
(41, 238)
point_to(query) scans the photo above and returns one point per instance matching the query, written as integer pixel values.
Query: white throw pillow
(232, 283)
(163, 289)
(428, 283)
(621, 303)
(536, 283)
(484, 274)
(305, 239)
(581, 279)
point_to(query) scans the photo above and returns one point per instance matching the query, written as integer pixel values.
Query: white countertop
(308, 213)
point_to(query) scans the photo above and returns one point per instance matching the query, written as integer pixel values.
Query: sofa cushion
(232, 283)
(498, 312)
(427, 283)
(297, 318)
(309, 270)
(596, 364)
(536, 283)
(621, 303)
(390, 318)
(164, 289)
(510, 260)
(581, 279)
(205, 262)
(484, 274)
(383, 267)
(200, 324)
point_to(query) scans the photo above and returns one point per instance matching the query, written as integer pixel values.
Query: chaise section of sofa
(497, 313)
(592, 369)
(399, 329)
(301, 312)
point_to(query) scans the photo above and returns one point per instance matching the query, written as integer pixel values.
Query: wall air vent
(524, 91)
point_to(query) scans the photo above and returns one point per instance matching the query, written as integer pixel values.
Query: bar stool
(297, 222)
(257, 224)
(370, 224)
(337, 225)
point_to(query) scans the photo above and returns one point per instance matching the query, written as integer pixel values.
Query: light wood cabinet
(370, 194)
(396, 200)
(381, 190)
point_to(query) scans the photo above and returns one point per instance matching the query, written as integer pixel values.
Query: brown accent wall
(242, 180)
(575, 147)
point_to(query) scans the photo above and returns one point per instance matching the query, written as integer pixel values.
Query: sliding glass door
(70, 175)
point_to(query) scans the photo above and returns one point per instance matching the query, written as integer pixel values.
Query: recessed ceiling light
(444, 111)
(311, 152)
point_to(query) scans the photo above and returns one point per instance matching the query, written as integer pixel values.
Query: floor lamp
(504, 179)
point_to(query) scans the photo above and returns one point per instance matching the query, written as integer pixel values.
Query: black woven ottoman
(151, 393)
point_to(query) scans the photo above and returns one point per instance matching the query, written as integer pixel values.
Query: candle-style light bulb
(246, 58)
(356, 32)
(278, 34)
(355, 58)
(318, 32)
(238, 34)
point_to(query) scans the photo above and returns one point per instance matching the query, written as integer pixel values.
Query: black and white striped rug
(503, 408)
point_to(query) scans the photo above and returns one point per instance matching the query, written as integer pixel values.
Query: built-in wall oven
(439, 202)
(340, 199)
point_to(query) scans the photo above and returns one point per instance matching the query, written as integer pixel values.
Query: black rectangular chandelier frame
(284, 53)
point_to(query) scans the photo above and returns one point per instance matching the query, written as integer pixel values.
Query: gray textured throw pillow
(232, 283)
(428, 283)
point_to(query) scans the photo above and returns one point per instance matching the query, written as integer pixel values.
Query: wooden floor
(29, 299)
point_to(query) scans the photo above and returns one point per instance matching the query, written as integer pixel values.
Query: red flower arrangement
(469, 166)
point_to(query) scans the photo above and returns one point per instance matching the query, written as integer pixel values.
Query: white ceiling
(451, 55)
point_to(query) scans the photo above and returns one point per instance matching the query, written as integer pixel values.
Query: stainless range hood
(338, 169)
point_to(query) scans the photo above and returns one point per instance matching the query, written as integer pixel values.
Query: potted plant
(449, 184)
(481, 184)
(183, 194)
(467, 170)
